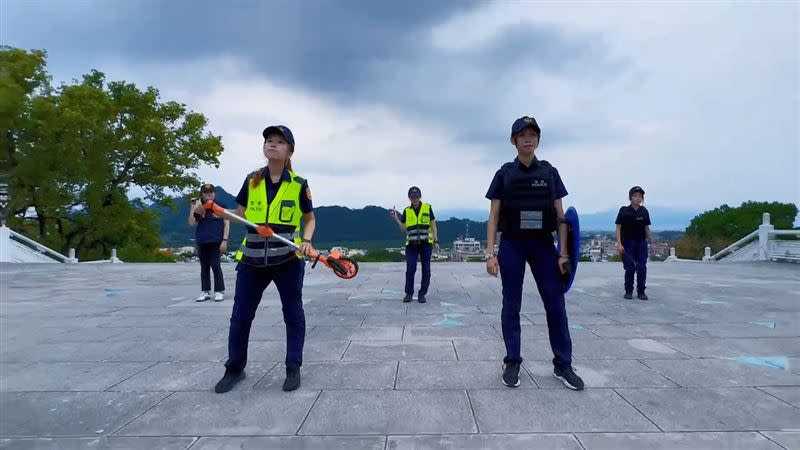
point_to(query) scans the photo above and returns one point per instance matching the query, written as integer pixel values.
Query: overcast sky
(699, 103)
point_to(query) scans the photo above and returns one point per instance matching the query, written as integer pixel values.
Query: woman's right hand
(393, 212)
(619, 247)
(492, 266)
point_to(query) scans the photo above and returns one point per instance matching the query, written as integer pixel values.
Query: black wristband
(307, 241)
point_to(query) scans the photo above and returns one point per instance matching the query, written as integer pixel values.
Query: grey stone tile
(601, 374)
(336, 375)
(175, 351)
(391, 351)
(164, 333)
(676, 441)
(633, 331)
(720, 373)
(484, 441)
(390, 412)
(356, 333)
(65, 376)
(153, 321)
(789, 440)
(292, 443)
(334, 320)
(312, 350)
(426, 319)
(475, 350)
(455, 375)
(40, 414)
(87, 334)
(547, 410)
(712, 409)
(65, 352)
(734, 347)
(189, 376)
(789, 394)
(234, 413)
(448, 332)
(102, 443)
(754, 328)
(624, 349)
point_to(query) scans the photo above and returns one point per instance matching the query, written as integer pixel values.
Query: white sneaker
(219, 296)
(203, 297)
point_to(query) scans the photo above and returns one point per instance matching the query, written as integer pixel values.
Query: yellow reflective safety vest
(283, 215)
(418, 226)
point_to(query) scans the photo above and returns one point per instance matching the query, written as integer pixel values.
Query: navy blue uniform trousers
(635, 261)
(541, 255)
(421, 252)
(250, 285)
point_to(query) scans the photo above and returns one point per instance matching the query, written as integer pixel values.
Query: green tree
(722, 226)
(380, 255)
(75, 152)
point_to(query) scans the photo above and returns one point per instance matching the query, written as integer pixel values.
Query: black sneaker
(229, 380)
(511, 374)
(642, 296)
(628, 295)
(407, 298)
(292, 379)
(421, 298)
(569, 378)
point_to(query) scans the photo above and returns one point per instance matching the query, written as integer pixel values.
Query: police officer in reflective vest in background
(419, 224)
(526, 208)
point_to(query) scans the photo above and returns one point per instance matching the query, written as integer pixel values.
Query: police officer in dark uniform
(633, 234)
(526, 208)
(419, 224)
(276, 196)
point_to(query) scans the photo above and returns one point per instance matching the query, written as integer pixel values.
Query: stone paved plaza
(121, 357)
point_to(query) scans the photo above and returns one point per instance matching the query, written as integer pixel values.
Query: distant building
(467, 246)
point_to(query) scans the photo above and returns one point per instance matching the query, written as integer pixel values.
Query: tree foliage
(722, 226)
(74, 154)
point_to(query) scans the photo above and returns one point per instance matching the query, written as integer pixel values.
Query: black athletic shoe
(628, 295)
(421, 298)
(569, 378)
(292, 379)
(407, 298)
(229, 380)
(642, 296)
(511, 374)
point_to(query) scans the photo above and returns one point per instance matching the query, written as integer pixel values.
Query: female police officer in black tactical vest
(526, 208)
(633, 234)
(279, 197)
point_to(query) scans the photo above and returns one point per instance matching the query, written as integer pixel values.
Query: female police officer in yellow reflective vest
(419, 223)
(277, 196)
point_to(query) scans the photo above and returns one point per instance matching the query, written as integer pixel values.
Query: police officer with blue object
(526, 208)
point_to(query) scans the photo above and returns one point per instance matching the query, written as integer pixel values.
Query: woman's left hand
(223, 247)
(562, 263)
(306, 248)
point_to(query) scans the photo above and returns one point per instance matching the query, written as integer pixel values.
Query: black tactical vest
(527, 208)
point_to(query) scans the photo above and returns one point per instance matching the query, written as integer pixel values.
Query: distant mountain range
(371, 226)
(663, 218)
